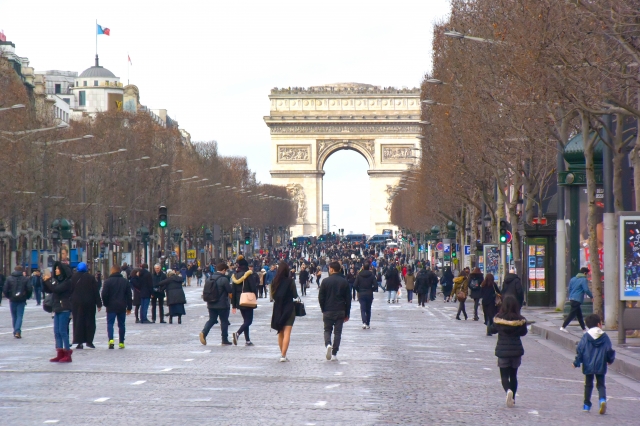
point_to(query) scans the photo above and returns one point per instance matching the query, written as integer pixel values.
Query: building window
(66, 100)
(95, 82)
(58, 89)
(83, 99)
(84, 83)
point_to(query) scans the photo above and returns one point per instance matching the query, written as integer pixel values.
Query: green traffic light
(163, 224)
(503, 238)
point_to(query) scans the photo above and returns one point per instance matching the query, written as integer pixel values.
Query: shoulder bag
(299, 308)
(248, 300)
(47, 303)
(498, 296)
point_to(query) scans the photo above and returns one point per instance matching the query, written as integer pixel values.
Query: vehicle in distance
(377, 239)
(355, 238)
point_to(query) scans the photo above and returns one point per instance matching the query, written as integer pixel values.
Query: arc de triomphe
(309, 124)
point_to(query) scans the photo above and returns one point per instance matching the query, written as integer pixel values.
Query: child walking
(594, 352)
(510, 327)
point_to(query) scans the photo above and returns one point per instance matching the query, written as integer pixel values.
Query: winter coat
(84, 289)
(224, 290)
(594, 352)
(509, 332)
(578, 287)
(488, 294)
(304, 276)
(392, 278)
(409, 281)
(135, 287)
(172, 286)
(145, 284)
(18, 288)
(116, 294)
(243, 282)
(334, 295)
(475, 293)
(157, 279)
(459, 284)
(422, 282)
(268, 279)
(60, 286)
(283, 304)
(513, 286)
(365, 283)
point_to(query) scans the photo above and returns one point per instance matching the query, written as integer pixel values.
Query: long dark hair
(282, 275)
(510, 309)
(489, 280)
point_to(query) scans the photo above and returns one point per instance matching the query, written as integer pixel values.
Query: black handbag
(47, 303)
(299, 307)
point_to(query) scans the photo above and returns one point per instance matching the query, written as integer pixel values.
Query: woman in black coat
(244, 281)
(85, 299)
(475, 280)
(134, 280)
(510, 326)
(488, 290)
(176, 298)
(392, 281)
(447, 283)
(283, 291)
(60, 286)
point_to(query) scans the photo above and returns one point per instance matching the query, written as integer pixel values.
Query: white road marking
(201, 352)
(344, 363)
(320, 403)
(51, 421)
(167, 369)
(534, 412)
(488, 369)
(187, 360)
(469, 350)
(101, 399)
(139, 382)
(332, 386)
(338, 373)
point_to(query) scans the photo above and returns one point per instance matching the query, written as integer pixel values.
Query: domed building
(97, 89)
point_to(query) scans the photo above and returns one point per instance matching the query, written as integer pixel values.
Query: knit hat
(82, 267)
(242, 262)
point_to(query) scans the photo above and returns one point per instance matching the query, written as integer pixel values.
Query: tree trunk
(592, 220)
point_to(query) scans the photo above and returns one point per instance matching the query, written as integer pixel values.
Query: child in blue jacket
(594, 352)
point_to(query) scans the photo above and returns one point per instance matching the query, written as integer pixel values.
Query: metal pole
(610, 224)
(561, 239)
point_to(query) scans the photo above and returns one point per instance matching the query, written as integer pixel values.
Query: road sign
(439, 246)
(447, 248)
(467, 250)
(191, 254)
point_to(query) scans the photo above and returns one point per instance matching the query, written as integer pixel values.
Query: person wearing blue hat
(85, 298)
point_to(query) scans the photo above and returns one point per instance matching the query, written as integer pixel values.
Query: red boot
(67, 355)
(59, 356)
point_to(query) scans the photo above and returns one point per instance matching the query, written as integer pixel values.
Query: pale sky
(212, 64)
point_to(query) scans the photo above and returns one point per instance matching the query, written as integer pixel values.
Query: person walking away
(190, 272)
(60, 286)
(422, 285)
(318, 276)
(366, 285)
(594, 353)
(261, 287)
(284, 313)
(335, 304)
(244, 281)
(176, 299)
(510, 327)
(36, 283)
(157, 296)
(459, 292)
(183, 274)
(17, 289)
(475, 280)
(392, 278)
(488, 291)
(217, 292)
(513, 286)
(303, 278)
(85, 298)
(578, 287)
(145, 283)
(409, 283)
(432, 279)
(379, 278)
(134, 278)
(117, 300)
(447, 283)
(99, 280)
(199, 274)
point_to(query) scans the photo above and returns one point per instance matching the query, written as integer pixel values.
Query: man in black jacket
(303, 278)
(335, 303)
(433, 284)
(116, 297)
(157, 297)
(220, 307)
(146, 288)
(17, 289)
(365, 285)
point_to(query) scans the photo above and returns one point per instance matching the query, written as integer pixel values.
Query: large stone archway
(308, 125)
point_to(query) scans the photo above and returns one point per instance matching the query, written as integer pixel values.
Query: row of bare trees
(120, 167)
(512, 82)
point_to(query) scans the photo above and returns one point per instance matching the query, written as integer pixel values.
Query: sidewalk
(547, 324)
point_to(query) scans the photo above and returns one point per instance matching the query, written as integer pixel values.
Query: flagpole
(128, 72)
(96, 31)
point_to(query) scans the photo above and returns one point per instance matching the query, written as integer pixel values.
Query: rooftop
(97, 71)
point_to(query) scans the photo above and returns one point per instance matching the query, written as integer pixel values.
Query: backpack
(474, 284)
(214, 294)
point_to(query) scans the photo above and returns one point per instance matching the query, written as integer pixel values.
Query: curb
(623, 364)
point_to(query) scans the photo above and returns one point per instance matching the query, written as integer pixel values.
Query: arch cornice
(326, 147)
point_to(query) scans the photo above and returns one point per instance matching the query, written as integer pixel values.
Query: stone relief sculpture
(326, 145)
(293, 153)
(396, 153)
(296, 192)
(390, 194)
(343, 128)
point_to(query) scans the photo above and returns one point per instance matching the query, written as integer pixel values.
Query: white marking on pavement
(534, 412)
(320, 403)
(201, 352)
(332, 386)
(488, 369)
(344, 363)
(187, 360)
(167, 369)
(139, 382)
(338, 373)
(101, 399)
(469, 350)
(51, 421)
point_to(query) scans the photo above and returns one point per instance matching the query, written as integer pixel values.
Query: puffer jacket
(594, 352)
(61, 288)
(509, 333)
(172, 286)
(459, 284)
(392, 278)
(243, 282)
(365, 283)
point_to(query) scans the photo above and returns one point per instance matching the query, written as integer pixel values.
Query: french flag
(105, 31)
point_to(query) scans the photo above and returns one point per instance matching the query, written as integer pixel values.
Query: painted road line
(139, 382)
(102, 399)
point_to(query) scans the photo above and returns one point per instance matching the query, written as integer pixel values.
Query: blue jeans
(61, 329)
(409, 295)
(111, 319)
(17, 312)
(213, 319)
(392, 295)
(365, 307)
(37, 290)
(144, 308)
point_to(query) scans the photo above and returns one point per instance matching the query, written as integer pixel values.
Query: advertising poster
(536, 266)
(492, 260)
(629, 236)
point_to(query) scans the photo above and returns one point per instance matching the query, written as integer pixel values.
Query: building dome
(97, 71)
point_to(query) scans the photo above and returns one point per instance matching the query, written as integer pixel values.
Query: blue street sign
(467, 250)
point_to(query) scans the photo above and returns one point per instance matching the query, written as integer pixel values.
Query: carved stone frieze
(296, 192)
(287, 129)
(396, 153)
(365, 146)
(294, 153)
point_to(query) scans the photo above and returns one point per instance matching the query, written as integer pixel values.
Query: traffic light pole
(503, 261)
